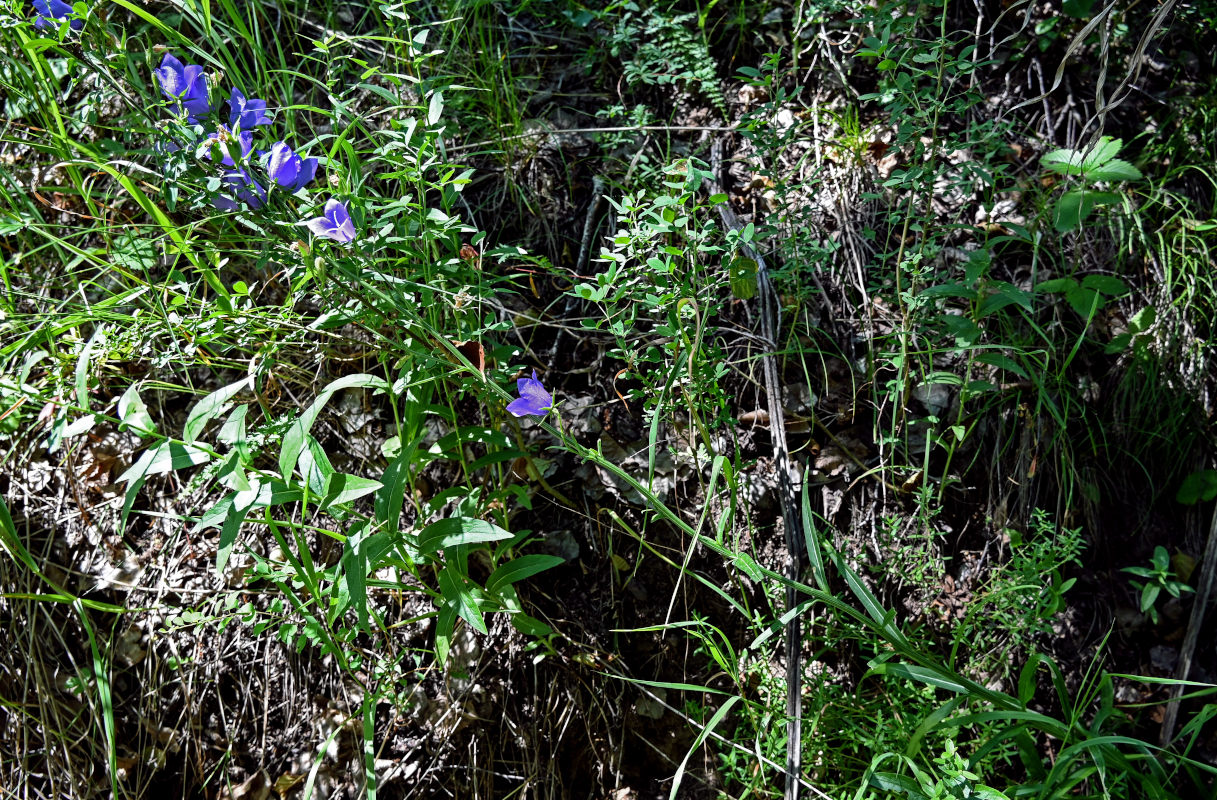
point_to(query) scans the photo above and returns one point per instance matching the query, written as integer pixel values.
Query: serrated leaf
(1103, 152)
(1115, 170)
(1143, 320)
(1063, 162)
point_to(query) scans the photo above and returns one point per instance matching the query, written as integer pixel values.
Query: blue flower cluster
(186, 86)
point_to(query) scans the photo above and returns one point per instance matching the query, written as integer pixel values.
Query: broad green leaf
(1003, 294)
(1107, 284)
(1002, 361)
(355, 568)
(1056, 285)
(392, 495)
(232, 433)
(456, 531)
(1198, 487)
(344, 488)
(1064, 162)
(445, 623)
(241, 503)
(134, 414)
(315, 467)
(165, 457)
(1115, 170)
(1074, 207)
(210, 407)
(1103, 152)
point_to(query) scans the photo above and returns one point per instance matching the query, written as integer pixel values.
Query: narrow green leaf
(294, 439)
(456, 531)
(518, 569)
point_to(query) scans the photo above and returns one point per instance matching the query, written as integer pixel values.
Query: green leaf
(1002, 361)
(1198, 487)
(294, 439)
(1107, 284)
(1115, 170)
(237, 509)
(742, 273)
(1056, 285)
(518, 569)
(356, 565)
(1003, 294)
(165, 457)
(453, 588)
(456, 531)
(344, 488)
(1075, 206)
(1064, 162)
(1148, 595)
(445, 623)
(315, 467)
(134, 414)
(1103, 151)
(210, 407)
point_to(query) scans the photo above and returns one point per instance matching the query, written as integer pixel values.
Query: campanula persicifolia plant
(184, 84)
(334, 224)
(52, 12)
(534, 399)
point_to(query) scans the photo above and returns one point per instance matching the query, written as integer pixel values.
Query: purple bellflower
(185, 84)
(50, 12)
(289, 170)
(245, 190)
(224, 136)
(335, 224)
(534, 400)
(246, 113)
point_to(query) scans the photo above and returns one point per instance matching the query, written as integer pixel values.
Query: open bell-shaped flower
(244, 113)
(185, 84)
(334, 224)
(50, 12)
(288, 169)
(534, 400)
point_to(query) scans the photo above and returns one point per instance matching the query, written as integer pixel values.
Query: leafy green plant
(1159, 577)
(1095, 164)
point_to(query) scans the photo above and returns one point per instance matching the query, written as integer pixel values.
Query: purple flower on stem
(534, 400)
(50, 12)
(288, 169)
(245, 189)
(224, 136)
(185, 84)
(335, 224)
(246, 113)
